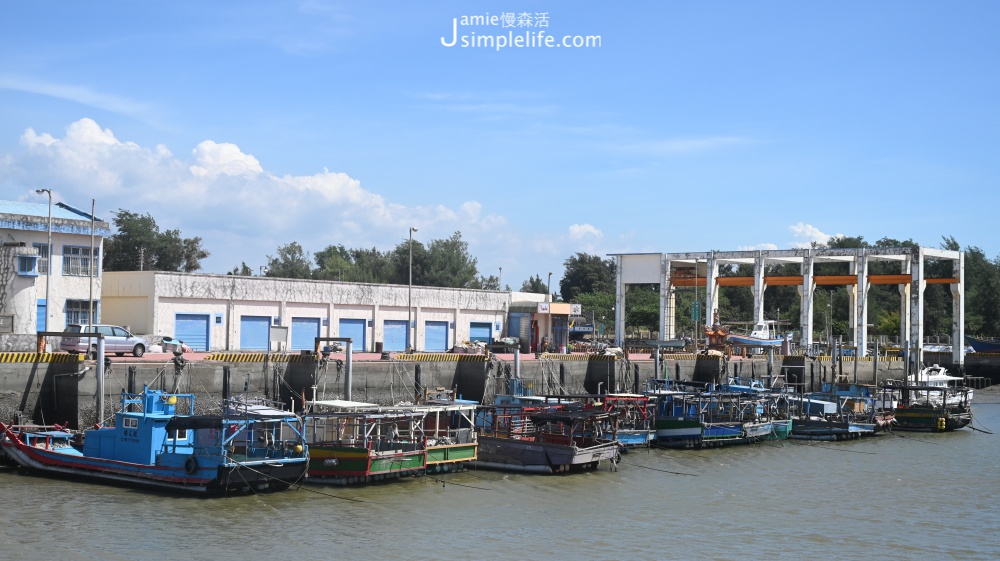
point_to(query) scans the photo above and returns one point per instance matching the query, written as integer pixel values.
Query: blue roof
(41, 210)
(34, 217)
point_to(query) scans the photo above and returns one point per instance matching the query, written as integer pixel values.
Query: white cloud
(757, 247)
(581, 231)
(216, 159)
(229, 199)
(805, 234)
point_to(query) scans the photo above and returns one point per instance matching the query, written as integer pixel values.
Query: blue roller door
(395, 335)
(436, 336)
(254, 333)
(481, 332)
(355, 329)
(193, 330)
(41, 316)
(304, 333)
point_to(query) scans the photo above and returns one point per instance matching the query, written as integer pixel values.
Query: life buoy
(191, 465)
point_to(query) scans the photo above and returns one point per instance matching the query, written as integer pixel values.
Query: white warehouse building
(226, 312)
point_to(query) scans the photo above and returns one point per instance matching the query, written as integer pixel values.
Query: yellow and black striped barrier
(260, 357)
(440, 357)
(562, 357)
(41, 357)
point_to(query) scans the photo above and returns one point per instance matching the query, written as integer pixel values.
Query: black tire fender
(191, 465)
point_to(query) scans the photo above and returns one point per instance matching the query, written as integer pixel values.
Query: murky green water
(903, 496)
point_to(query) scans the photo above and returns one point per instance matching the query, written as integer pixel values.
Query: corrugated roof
(41, 210)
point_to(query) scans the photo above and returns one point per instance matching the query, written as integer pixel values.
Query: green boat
(354, 443)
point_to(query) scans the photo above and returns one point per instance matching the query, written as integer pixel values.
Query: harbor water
(896, 496)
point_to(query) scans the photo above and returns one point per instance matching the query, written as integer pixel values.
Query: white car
(117, 340)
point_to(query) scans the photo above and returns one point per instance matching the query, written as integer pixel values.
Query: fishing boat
(534, 440)
(981, 345)
(840, 411)
(634, 418)
(352, 442)
(940, 410)
(451, 439)
(764, 334)
(937, 376)
(930, 400)
(154, 444)
(717, 418)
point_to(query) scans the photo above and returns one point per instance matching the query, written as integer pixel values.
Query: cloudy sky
(640, 126)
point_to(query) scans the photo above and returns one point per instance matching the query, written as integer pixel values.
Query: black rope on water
(298, 485)
(913, 438)
(443, 483)
(841, 449)
(658, 469)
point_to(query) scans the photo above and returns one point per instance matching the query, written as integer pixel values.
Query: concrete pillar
(917, 285)
(758, 287)
(666, 301)
(806, 293)
(861, 304)
(958, 311)
(711, 290)
(904, 304)
(619, 303)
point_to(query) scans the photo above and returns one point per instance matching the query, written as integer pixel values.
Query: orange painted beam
(734, 281)
(794, 280)
(889, 279)
(689, 281)
(949, 280)
(821, 280)
(835, 280)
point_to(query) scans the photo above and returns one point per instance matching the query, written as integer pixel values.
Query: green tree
(586, 273)
(333, 263)
(139, 245)
(442, 263)
(291, 262)
(536, 285)
(243, 270)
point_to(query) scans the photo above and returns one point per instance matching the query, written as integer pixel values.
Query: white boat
(764, 334)
(936, 376)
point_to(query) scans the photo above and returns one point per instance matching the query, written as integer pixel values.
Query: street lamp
(409, 295)
(48, 258)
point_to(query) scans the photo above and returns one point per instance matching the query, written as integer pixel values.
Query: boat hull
(546, 457)
(830, 430)
(925, 418)
(200, 477)
(439, 458)
(346, 465)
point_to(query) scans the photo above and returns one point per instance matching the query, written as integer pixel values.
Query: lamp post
(48, 257)
(409, 295)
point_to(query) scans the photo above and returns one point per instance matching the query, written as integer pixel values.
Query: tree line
(589, 280)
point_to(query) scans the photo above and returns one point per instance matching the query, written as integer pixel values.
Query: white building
(26, 266)
(228, 313)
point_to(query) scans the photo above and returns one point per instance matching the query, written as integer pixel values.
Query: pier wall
(65, 391)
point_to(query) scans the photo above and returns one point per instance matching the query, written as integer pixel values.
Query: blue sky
(693, 126)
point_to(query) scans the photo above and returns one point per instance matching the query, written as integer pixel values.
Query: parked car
(117, 340)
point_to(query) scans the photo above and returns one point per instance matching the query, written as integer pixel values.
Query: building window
(43, 258)
(78, 311)
(77, 262)
(26, 265)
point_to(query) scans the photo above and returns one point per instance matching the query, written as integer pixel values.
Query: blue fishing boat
(708, 419)
(980, 345)
(247, 448)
